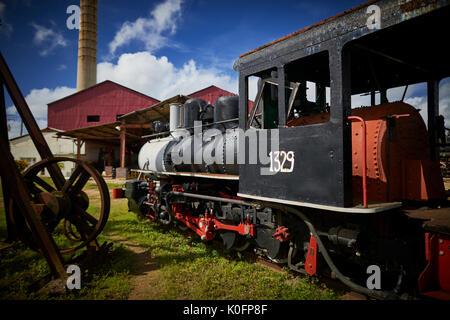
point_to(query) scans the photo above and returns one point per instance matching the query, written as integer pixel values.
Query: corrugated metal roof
(159, 111)
(101, 132)
(108, 131)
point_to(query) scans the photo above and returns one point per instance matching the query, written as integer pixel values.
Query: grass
(185, 267)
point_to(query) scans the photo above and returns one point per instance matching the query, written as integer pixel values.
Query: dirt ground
(144, 271)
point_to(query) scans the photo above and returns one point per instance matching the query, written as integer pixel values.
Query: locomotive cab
(306, 95)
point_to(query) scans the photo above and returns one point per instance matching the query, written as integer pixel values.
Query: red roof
(211, 94)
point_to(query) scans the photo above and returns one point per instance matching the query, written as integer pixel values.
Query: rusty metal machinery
(65, 207)
(35, 209)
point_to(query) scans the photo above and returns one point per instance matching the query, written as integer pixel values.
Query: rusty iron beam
(29, 121)
(22, 200)
(11, 234)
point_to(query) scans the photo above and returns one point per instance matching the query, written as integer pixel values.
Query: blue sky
(160, 48)
(210, 32)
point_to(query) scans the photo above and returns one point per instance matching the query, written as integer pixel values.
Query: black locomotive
(313, 183)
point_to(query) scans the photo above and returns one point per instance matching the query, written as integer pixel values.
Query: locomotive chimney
(87, 45)
(176, 117)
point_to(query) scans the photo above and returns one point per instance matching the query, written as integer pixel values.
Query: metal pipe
(204, 197)
(364, 173)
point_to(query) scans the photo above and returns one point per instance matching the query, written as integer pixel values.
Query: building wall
(106, 100)
(22, 148)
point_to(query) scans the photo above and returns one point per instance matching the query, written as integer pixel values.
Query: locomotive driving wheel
(65, 209)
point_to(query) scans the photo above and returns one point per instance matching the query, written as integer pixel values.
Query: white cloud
(5, 28)
(150, 30)
(14, 128)
(15, 124)
(10, 111)
(159, 78)
(418, 101)
(141, 71)
(47, 39)
(37, 100)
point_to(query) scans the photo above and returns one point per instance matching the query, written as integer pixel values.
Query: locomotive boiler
(334, 189)
(186, 149)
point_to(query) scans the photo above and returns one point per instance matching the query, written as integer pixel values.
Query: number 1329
(281, 161)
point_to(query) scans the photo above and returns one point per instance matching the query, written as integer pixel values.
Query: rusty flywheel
(65, 209)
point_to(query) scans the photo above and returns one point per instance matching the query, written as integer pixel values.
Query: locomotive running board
(372, 208)
(190, 174)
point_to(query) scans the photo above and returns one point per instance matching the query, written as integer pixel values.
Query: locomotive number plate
(281, 161)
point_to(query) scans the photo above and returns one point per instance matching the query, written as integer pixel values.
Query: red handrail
(364, 173)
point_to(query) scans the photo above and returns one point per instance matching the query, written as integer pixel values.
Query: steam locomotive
(333, 189)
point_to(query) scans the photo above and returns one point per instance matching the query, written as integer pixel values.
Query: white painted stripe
(372, 208)
(192, 174)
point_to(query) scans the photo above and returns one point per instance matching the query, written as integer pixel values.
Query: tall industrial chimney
(87, 45)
